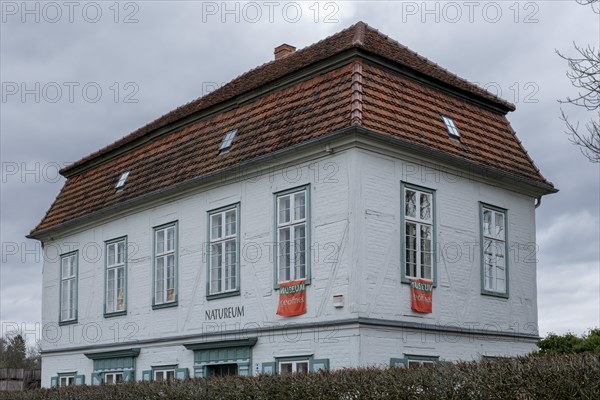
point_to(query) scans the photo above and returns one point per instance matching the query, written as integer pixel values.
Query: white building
(350, 168)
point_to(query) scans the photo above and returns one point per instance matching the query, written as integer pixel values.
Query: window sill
(115, 314)
(222, 295)
(406, 280)
(69, 322)
(306, 283)
(494, 294)
(164, 305)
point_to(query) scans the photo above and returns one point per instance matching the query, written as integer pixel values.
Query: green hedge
(568, 376)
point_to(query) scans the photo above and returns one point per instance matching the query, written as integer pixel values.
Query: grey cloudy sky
(78, 76)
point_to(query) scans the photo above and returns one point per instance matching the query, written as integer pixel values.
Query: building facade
(348, 204)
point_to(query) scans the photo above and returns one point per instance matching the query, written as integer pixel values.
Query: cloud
(177, 50)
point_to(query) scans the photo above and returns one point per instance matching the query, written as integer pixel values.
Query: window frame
(294, 360)
(404, 278)
(114, 373)
(124, 265)
(307, 233)
(70, 379)
(75, 279)
(405, 361)
(227, 141)
(451, 127)
(484, 291)
(209, 214)
(156, 305)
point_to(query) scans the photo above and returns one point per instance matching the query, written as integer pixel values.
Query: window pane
(216, 227)
(499, 225)
(425, 206)
(160, 280)
(284, 254)
(426, 251)
(160, 241)
(487, 222)
(170, 375)
(171, 278)
(216, 260)
(300, 205)
(302, 367)
(411, 203)
(121, 252)
(411, 249)
(230, 223)
(158, 376)
(285, 368)
(230, 267)
(64, 267)
(170, 239)
(300, 252)
(64, 307)
(284, 209)
(120, 288)
(111, 254)
(110, 290)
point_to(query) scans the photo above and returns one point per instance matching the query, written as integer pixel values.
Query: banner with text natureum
(421, 291)
(292, 298)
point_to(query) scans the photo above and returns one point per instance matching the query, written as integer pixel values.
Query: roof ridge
(433, 63)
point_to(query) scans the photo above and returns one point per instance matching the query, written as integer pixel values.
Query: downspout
(538, 201)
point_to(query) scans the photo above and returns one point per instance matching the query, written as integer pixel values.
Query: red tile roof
(385, 102)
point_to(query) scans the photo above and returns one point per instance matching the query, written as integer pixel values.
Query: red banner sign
(292, 298)
(421, 291)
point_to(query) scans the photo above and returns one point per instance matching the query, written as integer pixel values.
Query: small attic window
(452, 130)
(226, 143)
(122, 180)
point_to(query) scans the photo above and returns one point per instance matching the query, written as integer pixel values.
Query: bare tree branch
(584, 74)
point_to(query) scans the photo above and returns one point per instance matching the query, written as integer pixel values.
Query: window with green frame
(112, 367)
(163, 373)
(418, 233)
(494, 262)
(165, 260)
(115, 292)
(223, 251)
(68, 287)
(63, 379)
(292, 231)
(414, 361)
(295, 364)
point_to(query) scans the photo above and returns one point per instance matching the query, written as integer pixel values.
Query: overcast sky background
(162, 54)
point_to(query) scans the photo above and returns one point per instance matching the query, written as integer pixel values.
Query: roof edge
(543, 188)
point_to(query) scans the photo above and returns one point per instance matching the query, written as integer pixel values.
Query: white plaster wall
(457, 299)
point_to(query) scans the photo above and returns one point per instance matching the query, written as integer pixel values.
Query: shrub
(554, 376)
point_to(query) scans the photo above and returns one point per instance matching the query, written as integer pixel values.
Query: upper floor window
(494, 263)
(418, 232)
(68, 287)
(116, 276)
(451, 126)
(227, 141)
(292, 229)
(165, 265)
(223, 258)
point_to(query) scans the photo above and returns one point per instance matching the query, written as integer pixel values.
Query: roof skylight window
(226, 143)
(452, 130)
(122, 180)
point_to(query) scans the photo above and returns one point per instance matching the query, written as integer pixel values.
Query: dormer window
(122, 180)
(451, 127)
(227, 140)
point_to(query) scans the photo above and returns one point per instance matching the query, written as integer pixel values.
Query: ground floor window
(295, 365)
(414, 361)
(292, 367)
(67, 379)
(164, 375)
(222, 370)
(228, 357)
(112, 367)
(110, 378)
